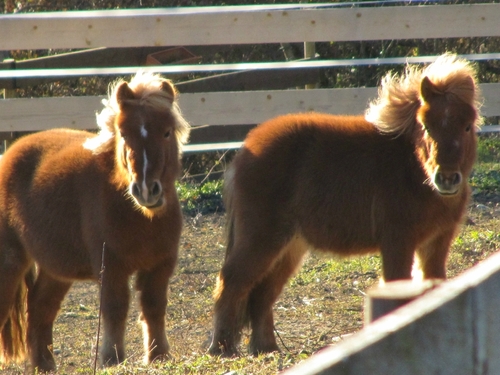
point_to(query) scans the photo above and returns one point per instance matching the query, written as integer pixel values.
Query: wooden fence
(224, 26)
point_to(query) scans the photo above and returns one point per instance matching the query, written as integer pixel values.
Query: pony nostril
(439, 179)
(456, 179)
(136, 191)
(156, 189)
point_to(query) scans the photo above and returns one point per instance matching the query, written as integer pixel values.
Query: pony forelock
(394, 111)
(147, 89)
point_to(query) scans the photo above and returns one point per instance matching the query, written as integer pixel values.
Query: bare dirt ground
(319, 306)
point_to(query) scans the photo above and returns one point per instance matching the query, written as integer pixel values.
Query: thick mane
(147, 88)
(394, 111)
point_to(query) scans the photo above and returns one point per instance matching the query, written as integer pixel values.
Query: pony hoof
(46, 368)
(161, 357)
(222, 351)
(110, 362)
(264, 350)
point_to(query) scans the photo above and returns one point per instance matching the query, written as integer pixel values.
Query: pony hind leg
(265, 293)
(153, 287)
(14, 266)
(247, 263)
(44, 302)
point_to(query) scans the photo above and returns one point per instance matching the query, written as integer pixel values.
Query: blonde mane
(394, 111)
(147, 87)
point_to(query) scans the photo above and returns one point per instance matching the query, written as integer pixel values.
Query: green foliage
(201, 198)
(485, 178)
(488, 149)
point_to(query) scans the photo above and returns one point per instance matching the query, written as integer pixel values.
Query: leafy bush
(201, 198)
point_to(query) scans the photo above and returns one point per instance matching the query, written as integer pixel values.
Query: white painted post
(383, 299)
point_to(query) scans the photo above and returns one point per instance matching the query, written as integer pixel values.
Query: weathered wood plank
(217, 108)
(253, 107)
(44, 113)
(251, 80)
(243, 25)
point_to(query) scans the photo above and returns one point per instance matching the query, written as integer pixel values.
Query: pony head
(142, 122)
(438, 109)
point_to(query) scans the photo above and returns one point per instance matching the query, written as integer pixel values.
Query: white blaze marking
(144, 132)
(144, 186)
(446, 115)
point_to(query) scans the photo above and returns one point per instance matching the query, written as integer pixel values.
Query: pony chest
(141, 247)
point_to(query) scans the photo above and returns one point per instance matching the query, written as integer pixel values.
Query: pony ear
(124, 92)
(169, 88)
(428, 90)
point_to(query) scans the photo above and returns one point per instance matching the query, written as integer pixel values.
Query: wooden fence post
(310, 53)
(382, 299)
(8, 92)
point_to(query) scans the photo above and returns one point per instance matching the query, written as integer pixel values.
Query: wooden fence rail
(244, 25)
(216, 108)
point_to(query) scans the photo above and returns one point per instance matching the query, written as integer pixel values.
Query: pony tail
(13, 335)
(228, 205)
(242, 313)
(228, 199)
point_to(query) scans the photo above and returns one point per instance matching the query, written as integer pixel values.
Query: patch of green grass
(337, 270)
(486, 178)
(488, 148)
(201, 198)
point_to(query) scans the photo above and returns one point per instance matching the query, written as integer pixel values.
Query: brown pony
(394, 181)
(71, 201)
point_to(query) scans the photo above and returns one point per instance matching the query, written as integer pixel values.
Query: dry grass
(322, 303)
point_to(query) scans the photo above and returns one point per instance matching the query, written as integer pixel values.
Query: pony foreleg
(44, 302)
(153, 286)
(432, 256)
(115, 301)
(397, 259)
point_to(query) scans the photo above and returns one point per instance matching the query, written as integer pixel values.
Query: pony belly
(69, 265)
(337, 238)
(349, 251)
(67, 271)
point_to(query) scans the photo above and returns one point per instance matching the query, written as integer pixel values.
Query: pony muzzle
(447, 182)
(147, 195)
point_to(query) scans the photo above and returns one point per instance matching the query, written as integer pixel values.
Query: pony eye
(167, 134)
(467, 128)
